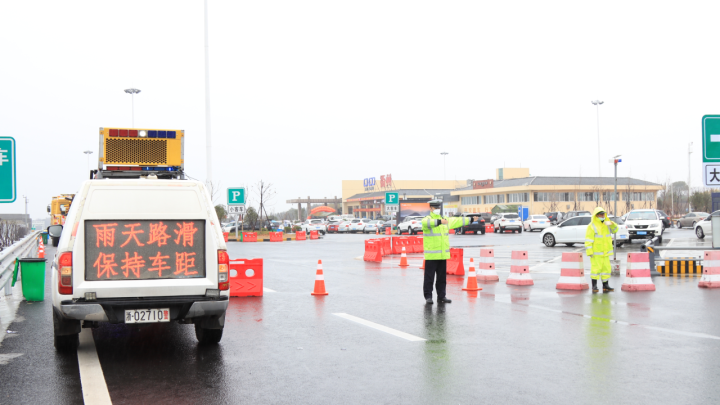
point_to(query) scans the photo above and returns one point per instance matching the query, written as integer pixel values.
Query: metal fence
(27, 247)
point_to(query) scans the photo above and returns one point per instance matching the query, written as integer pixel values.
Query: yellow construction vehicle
(58, 210)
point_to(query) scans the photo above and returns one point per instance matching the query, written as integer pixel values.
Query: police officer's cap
(435, 203)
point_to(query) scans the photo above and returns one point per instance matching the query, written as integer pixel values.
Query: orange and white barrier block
(486, 266)
(471, 280)
(711, 270)
(519, 269)
(637, 276)
(572, 272)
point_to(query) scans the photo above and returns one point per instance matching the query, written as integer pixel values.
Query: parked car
(572, 214)
(477, 227)
(691, 219)
(508, 221)
(371, 226)
(387, 224)
(667, 222)
(357, 225)
(333, 226)
(555, 217)
(344, 226)
(572, 231)
(411, 224)
(536, 222)
(704, 227)
(644, 224)
(314, 225)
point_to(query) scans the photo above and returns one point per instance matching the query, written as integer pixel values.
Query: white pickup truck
(140, 251)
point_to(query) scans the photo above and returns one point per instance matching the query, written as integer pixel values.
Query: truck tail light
(223, 265)
(65, 273)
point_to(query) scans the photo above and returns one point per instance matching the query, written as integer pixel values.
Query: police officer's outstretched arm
(457, 222)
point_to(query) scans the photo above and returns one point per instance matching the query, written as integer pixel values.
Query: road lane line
(92, 379)
(268, 290)
(382, 328)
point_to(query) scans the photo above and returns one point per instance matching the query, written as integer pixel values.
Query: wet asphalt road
(503, 344)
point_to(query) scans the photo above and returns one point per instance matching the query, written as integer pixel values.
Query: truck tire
(207, 336)
(55, 240)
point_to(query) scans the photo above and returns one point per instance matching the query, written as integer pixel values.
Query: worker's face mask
(437, 212)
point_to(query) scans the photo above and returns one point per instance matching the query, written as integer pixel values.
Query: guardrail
(26, 247)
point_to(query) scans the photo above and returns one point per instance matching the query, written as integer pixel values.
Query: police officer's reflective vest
(598, 238)
(436, 241)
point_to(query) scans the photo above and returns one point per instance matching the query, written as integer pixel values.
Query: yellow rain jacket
(599, 245)
(435, 235)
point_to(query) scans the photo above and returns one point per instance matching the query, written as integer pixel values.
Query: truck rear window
(142, 249)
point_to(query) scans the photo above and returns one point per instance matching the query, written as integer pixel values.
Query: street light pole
(615, 161)
(208, 140)
(597, 103)
(133, 92)
(688, 184)
(444, 154)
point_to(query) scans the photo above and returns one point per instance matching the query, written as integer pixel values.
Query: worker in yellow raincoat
(599, 247)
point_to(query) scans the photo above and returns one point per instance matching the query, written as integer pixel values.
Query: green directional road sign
(711, 150)
(236, 196)
(8, 183)
(392, 198)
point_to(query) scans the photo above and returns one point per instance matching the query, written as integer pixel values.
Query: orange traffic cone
(403, 259)
(423, 265)
(471, 280)
(319, 281)
(377, 231)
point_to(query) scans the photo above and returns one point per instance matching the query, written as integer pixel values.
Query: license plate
(147, 315)
(642, 233)
(512, 220)
(542, 222)
(623, 236)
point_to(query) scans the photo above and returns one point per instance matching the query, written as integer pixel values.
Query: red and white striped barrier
(486, 266)
(711, 270)
(637, 275)
(519, 269)
(572, 272)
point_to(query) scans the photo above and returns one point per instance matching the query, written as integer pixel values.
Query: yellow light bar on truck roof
(141, 147)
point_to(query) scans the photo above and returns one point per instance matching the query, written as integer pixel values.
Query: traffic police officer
(599, 247)
(437, 249)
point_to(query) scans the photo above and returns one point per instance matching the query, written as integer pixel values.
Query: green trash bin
(44, 237)
(32, 274)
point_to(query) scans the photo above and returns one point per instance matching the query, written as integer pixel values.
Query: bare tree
(265, 193)
(553, 203)
(10, 232)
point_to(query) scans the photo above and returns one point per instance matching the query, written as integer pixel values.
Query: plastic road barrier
(300, 235)
(314, 235)
(226, 235)
(32, 274)
(246, 277)
(519, 269)
(373, 251)
(637, 276)
(711, 270)
(276, 236)
(455, 264)
(572, 272)
(387, 246)
(486, 266)
(249, 237)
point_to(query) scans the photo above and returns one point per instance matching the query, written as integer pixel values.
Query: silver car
(691, 219)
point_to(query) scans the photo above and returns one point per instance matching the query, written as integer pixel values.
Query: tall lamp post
(133, 92)
(597, 103)
(208, 139)
(88, 153)
(615, 161)
(444, 154)
(689, 153)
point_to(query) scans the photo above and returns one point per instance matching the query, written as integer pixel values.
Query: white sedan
(704, 227)
(314, 225)
(572, 231)
(536, 222)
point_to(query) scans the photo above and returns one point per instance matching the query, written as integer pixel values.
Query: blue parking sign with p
(8, 186)
(392, 198)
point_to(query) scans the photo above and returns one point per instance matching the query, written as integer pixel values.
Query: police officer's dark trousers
(433, 269)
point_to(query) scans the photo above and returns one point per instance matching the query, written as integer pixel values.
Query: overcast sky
(305, 94)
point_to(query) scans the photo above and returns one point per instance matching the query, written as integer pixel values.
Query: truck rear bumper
(113, 310)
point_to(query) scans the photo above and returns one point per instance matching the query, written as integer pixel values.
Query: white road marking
(5, 358)
(92, 379)
(382, 328)
(506, 299)
(268, 290)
